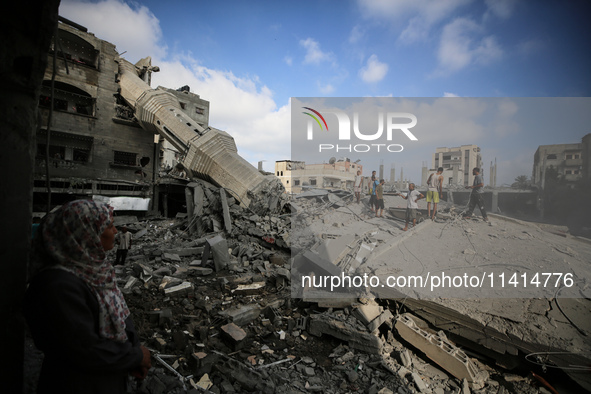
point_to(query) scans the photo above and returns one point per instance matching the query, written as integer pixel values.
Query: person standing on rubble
(373, 201)
(380, 199)
(435, 183)
(357, 185)
(123, 246)
(477, 195)
(411, 206)
(76, 313)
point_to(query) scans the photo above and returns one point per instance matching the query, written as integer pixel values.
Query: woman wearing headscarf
(77, 314)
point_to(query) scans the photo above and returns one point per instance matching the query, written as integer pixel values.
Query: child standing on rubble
(411, 206)
(77, 314)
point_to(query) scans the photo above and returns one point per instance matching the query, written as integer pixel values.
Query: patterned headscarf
(72, 236)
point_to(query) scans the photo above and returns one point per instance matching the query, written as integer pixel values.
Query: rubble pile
(213, 304)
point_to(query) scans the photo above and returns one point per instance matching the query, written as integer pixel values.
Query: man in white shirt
(124, 244)
(357, 186)
(411, 207)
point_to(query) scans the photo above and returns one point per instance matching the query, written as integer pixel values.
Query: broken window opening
(76, 50)
(125, 158)
(199, 111)
(67, 98)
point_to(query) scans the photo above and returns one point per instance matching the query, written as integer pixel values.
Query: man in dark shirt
(476, 197)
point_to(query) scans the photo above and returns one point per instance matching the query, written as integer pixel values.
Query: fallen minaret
(208, 154)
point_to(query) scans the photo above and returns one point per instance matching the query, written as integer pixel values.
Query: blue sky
(249, 57)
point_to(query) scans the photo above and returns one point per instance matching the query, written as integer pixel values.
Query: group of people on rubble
(434, 194)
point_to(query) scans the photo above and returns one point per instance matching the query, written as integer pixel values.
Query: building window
(568, 172)
(313, 182)
(569, 157)
(183, 105)
(76, 49)
(64, 146)
(287, 181)
(199, 111)
(551, 157)
(576, 172)
(277, 173)
(296, 182)
(126, 158)
(577, 156)
(66, 98)
(281, 173)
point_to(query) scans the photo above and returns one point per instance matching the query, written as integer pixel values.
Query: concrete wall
(27, 28)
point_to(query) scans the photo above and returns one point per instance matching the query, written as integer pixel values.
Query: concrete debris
(442, 351)
(219, 305)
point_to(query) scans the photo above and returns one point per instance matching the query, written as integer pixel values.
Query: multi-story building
(458, 163)
(96, 145)
(571, 161)
(337, 174)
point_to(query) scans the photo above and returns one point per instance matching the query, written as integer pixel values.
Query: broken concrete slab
(242, 315)
(234, 335)
(441, 351)
(362, 340)
(218, 248)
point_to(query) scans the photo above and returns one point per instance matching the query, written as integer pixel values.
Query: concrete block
(225, 210)
(172, 257)
(201, 271)
(324, 324)
(218, 248)
(377, 322)
(242, 315)
(234, 335)
(421, 386)
(182, 289)
(250, 289)
(441, 351)
(367, 312)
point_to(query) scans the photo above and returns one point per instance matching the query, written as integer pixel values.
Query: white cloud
(314, 54)
(288, 60)
(240, 105)
(326, 89)
(374, 70)
(448, 94)
(459, 47)
(133, 28)
(500, 8)
(356, 35)
(421, 15)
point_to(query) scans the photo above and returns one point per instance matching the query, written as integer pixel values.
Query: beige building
(570, 160)
(338, 174)
(457, 163)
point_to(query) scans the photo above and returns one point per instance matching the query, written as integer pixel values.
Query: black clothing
(120, 256)
(63, 315)
(476, 199)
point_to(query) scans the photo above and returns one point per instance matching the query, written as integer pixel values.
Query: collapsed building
(210, 290)
(101, 127)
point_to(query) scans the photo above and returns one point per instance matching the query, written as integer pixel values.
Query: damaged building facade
(571, 161)
(336, 174)
(112, 135)
(95, 146)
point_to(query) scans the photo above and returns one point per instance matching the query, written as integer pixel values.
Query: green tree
(521, 182)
